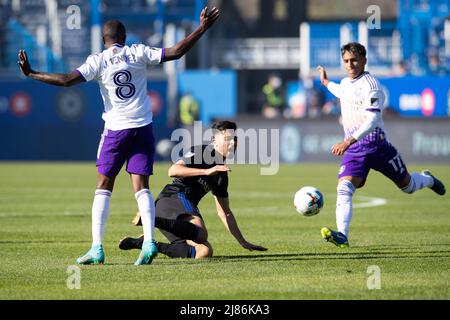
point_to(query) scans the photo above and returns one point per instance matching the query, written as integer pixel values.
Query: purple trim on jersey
(368, 144)
(163, 54)
(358, 77)
(373, 109)
(78, 71)
(371, 81)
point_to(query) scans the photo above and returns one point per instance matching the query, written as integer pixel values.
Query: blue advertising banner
(418, 96)
(43, 122)
(408, 96)
(216, 92)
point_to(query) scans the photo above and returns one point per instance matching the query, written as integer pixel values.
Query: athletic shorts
(135, 146)
(173, 207)
(386, 160)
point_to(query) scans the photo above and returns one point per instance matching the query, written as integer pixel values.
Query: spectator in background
(189, 109)
(401, 69)
(332, 108)
(314, 98)
(436, 66)
(274, 102)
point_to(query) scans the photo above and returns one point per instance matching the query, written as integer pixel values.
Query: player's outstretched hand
(207, 19)
(251, 247)
(217, 169)
(23, 62)
(323, 75)
(338, 149)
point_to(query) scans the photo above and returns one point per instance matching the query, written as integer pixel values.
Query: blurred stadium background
(225, 74)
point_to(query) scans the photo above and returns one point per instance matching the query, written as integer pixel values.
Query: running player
(201, 170)
(128, 136)
(365, 146)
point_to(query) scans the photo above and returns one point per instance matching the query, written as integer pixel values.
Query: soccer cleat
(337, 238)
(94, 256)
(137, 219)
(129, 243)
(148, 252)
(437, 186)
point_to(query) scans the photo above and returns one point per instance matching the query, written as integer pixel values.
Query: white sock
(100, 212)
(418, 181)
(344, 206)
(146, 207)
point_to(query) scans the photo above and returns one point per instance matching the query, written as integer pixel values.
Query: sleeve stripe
(78, 71)
(372, 83)
(369, 81)
(373, 109)
(163, 55)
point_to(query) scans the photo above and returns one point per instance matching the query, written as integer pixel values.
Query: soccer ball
(308, 201)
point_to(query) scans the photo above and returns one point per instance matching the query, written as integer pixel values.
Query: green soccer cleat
(94, 256)
(337, 238)
(148, 252)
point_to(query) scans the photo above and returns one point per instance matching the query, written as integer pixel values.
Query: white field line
(362, 201)
(366, 202)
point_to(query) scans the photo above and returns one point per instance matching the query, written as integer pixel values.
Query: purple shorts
(386, 160)
(136, 146)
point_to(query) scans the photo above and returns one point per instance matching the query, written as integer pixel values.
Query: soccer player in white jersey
(365, 145)
(128, 136)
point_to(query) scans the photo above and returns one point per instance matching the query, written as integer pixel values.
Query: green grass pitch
(45, 225)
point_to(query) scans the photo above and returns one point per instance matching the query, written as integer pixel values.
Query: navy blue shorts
(173, 207)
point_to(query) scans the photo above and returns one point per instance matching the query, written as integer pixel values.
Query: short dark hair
(354, 47)
(224, 125)
(114, 30)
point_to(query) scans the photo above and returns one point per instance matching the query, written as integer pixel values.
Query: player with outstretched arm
(128, 135)
(200, 170)
(365, 146)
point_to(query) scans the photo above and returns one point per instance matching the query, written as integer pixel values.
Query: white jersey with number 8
(122, 77)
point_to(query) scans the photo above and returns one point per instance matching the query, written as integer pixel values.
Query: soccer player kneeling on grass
(365, 146)
(201, 170)
(128, 136)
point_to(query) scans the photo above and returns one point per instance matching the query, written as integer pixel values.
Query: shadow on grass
(340, 254)
(346, 254)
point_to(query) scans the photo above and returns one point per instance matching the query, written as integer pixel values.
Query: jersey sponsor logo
(189, 154)
(204, 184)
(125, 89)
(20, 104)
(374, 102)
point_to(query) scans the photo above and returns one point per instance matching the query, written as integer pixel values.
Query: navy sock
(176, 249)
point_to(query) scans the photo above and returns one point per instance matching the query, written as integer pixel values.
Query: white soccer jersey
(357, 96)
(121, 74)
